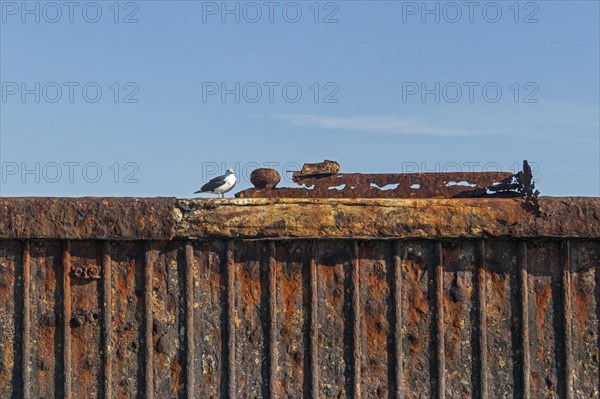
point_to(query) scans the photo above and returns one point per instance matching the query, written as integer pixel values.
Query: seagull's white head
(229, 171)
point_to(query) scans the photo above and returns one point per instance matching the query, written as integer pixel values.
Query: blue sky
(149, 98)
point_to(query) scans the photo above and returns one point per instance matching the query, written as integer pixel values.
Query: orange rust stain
(417, 315)
(82, 365)
(581, 305)
(454, 310)
(125, 283)
(375, 307)
(291, 295)
(85, 339)
(124, 286)
(175, 374)
(535, 381)
(7, 280)
(542, 300)
(331, 281)
(291, 291)
(498, 292)
(216, 281)
(8, 362)
(417, 299)
(46, 344)
(250, 288)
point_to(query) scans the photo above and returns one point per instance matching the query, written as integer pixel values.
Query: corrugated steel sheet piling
(299, 297)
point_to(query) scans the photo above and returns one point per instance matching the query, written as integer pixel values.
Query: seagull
(220, 184)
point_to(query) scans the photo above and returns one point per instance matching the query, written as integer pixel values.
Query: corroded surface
(400, 185)
(419, 303)
(388, 218)
(97, 218)
(322, 180)
(166, 219)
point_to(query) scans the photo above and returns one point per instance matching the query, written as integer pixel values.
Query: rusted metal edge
(397, 339)
(107, 347)
(314, 326)
(524, 310)
(26, 367)
(356, 321)
(231, 315)
(87, 218)
(389, 218)
(482, 316)
(439, 322)
(66, 319)
(189, 321)
(150, 259)
(167, 219)
(567, 322)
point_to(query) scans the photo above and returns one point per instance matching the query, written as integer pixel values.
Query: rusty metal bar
(189, 321)
(398, 349)
(482, 316)
(107, 305)
(568, 312)
(26, 321)
(314, 326)
(66, 318)
(272, 320)
(231, 383)
(149, 347)
(356, 337)
(430, 185)
(524, 305)
(439, 324)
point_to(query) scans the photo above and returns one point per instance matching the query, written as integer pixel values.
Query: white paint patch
(340, 187)
(460, 183)
(386, 187)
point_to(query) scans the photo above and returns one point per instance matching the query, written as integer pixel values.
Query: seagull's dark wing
(218, 178)
(213, 184)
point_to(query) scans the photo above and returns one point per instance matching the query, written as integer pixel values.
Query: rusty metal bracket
(87, 272)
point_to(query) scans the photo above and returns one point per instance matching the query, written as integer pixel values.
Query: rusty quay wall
(299, 298)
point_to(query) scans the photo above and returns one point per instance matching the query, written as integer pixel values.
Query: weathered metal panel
(84, 322)
(45, 359)
(502, 320)
(357, 317)
(127, 261)
(250, 319)
(460, 315)
(210, 319)
(539, 316)
(584, 263)
(292, 328)
(418, 325)
(545, 318)
(334, 338)
(168, 320)
(376, 358)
